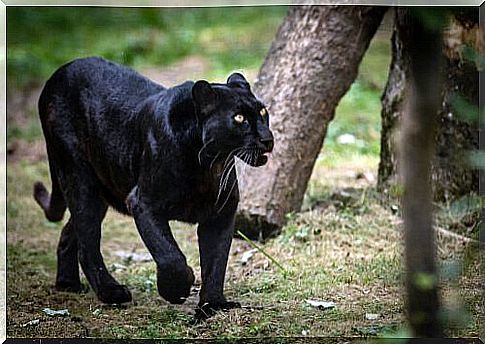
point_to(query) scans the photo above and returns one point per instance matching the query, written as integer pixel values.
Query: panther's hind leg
(87, 212)
(54, 206)
(67, 278)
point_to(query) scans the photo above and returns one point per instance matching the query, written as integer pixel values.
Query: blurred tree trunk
(454, 136)
(423, 100)
(311, 64)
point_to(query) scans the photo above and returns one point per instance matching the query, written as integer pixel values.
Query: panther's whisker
(228, 196)
(225, 170)
(228, 161)
(241, 155)
(247, 159)
(231, 154)
(214, 160)
(251, 158)
(229, 166)
(223, 186)
(202, 149)
(228, 175)
(244, 168)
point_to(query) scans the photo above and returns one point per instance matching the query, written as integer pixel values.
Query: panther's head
(233, 121)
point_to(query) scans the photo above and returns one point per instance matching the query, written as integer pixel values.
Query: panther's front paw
(174, 284)
(114, 294)
(208, 309)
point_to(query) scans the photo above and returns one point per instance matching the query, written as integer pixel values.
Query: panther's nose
(267, 143)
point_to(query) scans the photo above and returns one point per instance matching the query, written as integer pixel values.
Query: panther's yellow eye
(239, 118)
(263, 112)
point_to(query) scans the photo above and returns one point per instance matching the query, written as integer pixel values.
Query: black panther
(115, 138)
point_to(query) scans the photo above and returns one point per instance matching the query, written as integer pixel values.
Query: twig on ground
(450, 234)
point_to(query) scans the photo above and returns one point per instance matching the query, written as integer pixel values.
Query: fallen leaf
(135, 257)
(371, 316)
(53, 313)
(34, 322)
(246, 257)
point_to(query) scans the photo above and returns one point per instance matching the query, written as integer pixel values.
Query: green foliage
(465, 206)
(424, 281)
(476, 159)
(465, 110)
(432, 19)
(43, 38)
(471, 54)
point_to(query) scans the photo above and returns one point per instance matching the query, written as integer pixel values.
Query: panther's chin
(256, 159)
(261, 160)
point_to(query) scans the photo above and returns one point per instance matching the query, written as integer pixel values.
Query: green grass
(359, 111)
(42, 39)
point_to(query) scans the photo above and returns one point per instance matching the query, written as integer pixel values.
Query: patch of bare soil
(22, 104)
(188, 68)
(24, 150)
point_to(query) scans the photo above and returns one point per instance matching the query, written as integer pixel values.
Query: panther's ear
(239, 80)
(204, 97)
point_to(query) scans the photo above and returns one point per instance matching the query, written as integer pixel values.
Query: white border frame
(133, 3)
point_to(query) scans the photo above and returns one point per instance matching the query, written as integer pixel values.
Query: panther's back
(89, 111)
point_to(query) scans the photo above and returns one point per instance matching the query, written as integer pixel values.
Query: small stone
(371, 316)
(394, 208)
(118, 267)
(369, 176)
(321, 304)
(346, 139)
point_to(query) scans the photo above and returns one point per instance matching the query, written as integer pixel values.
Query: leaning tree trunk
(311, 64)
(454, 135)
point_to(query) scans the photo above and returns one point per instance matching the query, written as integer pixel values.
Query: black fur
(115, 138)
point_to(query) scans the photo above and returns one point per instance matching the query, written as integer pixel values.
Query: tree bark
(454, 136)
(311, 64)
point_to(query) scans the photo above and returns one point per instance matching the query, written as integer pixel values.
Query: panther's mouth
(261, 160)
(256, 158)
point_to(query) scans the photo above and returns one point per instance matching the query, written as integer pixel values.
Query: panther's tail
(53, 204)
